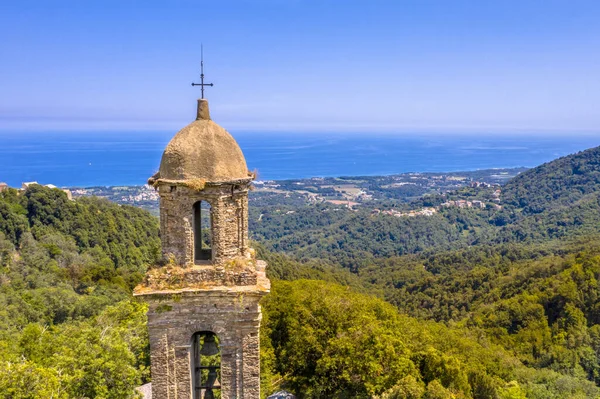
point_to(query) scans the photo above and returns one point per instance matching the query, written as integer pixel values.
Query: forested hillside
(481, 304)
(524, 278)
(68, 325)
(560, 199)
(555, 200)
(325, 341)
(354, 238)
(562, 182)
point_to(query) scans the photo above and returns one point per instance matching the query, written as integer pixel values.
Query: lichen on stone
(196, 184)
(240, 263)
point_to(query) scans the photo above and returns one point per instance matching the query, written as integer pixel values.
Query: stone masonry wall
(229, 221)
(233, 316)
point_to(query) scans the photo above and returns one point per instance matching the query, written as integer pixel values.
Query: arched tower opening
(202, 231)
(206, 366)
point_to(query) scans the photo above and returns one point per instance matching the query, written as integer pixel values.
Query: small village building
(479, 204)
(145, 390)
(64, 190)
(204, 313)
(68, 192)
(3, 186)
(281, 395)
(26, 185)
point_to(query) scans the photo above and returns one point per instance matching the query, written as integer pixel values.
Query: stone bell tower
(204, 313)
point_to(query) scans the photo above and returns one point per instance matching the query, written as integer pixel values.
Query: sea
(85, 159)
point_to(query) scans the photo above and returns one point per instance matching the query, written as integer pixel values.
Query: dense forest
(557, 200)
(68, 325)
(486, 303)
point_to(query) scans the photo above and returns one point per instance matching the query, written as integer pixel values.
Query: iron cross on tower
(202, 84)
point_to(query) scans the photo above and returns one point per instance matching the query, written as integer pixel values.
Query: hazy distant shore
(87, 160)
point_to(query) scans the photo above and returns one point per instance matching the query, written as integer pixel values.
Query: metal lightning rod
(202, 84)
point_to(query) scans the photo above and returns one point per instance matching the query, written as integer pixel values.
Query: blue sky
(476, 66)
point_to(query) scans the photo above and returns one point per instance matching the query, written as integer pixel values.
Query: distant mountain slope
(562, 182)
(558, 199)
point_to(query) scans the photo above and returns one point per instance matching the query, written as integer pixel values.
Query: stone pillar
(159, 355)
(203, 111)
(251, 364)
(176, 224)
(225, 230)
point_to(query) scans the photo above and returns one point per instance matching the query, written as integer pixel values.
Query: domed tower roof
(202, 150)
